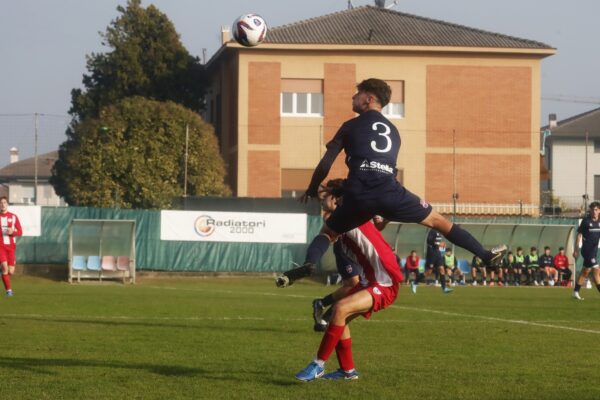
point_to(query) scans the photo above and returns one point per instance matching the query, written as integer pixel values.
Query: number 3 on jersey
(385, 134)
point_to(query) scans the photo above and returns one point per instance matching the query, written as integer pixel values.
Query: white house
(18, 180)
(573, 158)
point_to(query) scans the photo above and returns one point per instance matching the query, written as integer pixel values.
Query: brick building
(466, 103)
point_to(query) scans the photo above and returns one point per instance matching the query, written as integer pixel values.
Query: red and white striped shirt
(367, 247)
(10, 220)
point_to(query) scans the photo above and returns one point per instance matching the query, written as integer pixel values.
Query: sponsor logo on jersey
(376, 290)
(349, 269)
(376, 166)
(424, 204)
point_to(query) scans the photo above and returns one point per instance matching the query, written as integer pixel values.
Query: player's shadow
(43, 366)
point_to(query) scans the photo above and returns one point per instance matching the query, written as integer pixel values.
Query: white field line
(250, 318)
(495, 319)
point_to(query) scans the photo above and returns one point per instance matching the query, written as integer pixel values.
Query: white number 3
(386, 134)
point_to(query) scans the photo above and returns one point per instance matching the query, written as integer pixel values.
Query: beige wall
(301, 142)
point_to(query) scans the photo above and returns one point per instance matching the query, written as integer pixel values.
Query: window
(302, 97)
(395, 108)
(596, 146)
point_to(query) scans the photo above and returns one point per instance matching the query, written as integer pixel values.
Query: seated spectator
(451, 267)
(547, 268)
(561, 263)
(412, 266)
(532, 266)
(518, 265)
(508, 267)
(477, 265)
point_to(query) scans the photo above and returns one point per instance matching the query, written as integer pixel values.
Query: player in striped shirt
(377, 289)
(11, 228)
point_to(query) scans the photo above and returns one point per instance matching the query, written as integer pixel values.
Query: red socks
(6, 281)
(344, 354)
(330, 341)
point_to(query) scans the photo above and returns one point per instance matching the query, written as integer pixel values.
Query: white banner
(215, 226)
(30, 218)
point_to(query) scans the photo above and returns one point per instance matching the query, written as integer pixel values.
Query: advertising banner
(215, 226)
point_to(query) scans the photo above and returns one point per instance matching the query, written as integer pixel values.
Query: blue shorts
(393, 202)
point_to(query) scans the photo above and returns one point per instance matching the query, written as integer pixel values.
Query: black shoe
(318, 310)
(496, 255)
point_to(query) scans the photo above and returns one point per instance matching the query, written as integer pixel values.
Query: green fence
(154, 254)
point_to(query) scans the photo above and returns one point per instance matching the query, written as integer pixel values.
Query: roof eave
(537, 52)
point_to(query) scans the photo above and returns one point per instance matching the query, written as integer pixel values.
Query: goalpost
(102, 249)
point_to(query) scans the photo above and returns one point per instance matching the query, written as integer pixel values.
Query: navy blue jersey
(371, 143)
(590, 232)
(434, 238)
(546, 261)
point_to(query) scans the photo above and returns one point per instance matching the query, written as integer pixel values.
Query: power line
(573, 99)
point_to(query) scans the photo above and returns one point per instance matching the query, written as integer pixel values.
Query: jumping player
(11, 228)
(380, 276)
(588, 235)
(371, 143)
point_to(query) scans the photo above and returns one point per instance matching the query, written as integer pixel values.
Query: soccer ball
(249, 30)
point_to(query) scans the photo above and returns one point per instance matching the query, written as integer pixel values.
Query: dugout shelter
(102, 249)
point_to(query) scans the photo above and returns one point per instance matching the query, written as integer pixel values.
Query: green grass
(236, 338)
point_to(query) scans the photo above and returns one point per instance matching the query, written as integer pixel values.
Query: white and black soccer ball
(249, 30)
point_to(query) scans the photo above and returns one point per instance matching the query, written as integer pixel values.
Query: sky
(43, 48)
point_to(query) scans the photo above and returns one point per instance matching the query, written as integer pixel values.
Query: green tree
(132, 156)
(146, 59)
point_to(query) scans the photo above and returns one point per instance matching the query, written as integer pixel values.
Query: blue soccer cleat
(447, 290)
(9, 293)
(311, 372)
(341, 374)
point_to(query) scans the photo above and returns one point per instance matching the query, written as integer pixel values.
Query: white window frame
(294, 112)
(386, 111)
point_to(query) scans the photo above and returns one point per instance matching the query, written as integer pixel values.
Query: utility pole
(585, 193)
(454, 194)
(185, 167)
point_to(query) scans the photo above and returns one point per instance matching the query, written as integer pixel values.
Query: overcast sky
(43, 45)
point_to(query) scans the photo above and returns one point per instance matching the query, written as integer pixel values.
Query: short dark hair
(334, 187)
(378, 88)
(547, 248)
(519, 248)
(594, 204)
(533, 248)
(561, 248)
(4, 197)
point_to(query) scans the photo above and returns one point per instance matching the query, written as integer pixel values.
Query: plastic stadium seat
(108, 263)
(463, 265)
(93, 263)
(123, 265)
(78, 263)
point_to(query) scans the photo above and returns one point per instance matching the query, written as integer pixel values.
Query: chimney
(552, 123)
(225, 37)
(14, 155)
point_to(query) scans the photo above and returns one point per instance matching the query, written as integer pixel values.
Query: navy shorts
(433, 259)
(346, 267)
(393, 202)
(590, 262)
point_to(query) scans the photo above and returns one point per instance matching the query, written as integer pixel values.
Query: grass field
(235, 338)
